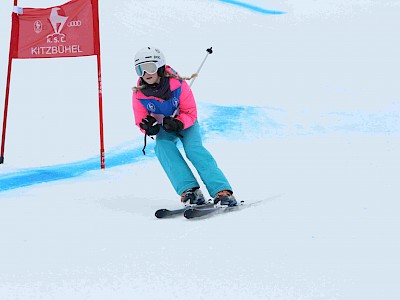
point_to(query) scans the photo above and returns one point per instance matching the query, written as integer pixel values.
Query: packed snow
(300, 106)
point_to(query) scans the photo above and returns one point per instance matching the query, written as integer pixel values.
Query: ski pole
(209, 51)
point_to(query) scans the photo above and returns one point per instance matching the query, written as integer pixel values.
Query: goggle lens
(148, 67)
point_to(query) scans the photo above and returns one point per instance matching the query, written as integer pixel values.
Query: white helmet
(150, 54)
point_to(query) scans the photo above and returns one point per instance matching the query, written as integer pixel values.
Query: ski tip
(160, 213)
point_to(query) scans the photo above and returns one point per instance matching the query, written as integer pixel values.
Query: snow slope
(301, 111)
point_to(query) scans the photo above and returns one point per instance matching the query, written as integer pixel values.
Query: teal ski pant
(177, 168)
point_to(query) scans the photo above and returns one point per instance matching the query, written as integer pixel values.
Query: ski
(167, 213)
(194, 212)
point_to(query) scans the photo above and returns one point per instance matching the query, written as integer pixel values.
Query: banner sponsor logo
(38, 26)
(75, 23)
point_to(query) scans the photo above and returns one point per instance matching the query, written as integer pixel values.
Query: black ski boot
(193, 196)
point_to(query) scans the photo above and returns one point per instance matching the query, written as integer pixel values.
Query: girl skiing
(164, 107)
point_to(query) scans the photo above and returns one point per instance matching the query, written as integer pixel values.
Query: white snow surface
(314, 153)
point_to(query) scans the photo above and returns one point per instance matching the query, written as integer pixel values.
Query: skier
(164, 107)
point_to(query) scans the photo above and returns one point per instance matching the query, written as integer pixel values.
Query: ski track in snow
(243, 123)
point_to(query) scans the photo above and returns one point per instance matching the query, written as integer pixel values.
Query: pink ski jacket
(183, 102)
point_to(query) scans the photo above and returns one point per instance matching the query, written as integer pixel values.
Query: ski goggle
(148, 67)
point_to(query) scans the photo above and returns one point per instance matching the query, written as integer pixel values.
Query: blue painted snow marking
(253, 7)
(223, 119)
(231, 122)
(237, 120)
(46, 174)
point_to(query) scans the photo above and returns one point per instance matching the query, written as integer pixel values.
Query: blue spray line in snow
(253, 7)
(233, 122)
(216, 123)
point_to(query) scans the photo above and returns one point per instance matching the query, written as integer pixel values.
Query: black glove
(172, 125)
(150, 125)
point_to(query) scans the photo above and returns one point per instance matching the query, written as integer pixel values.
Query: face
(151, 78)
